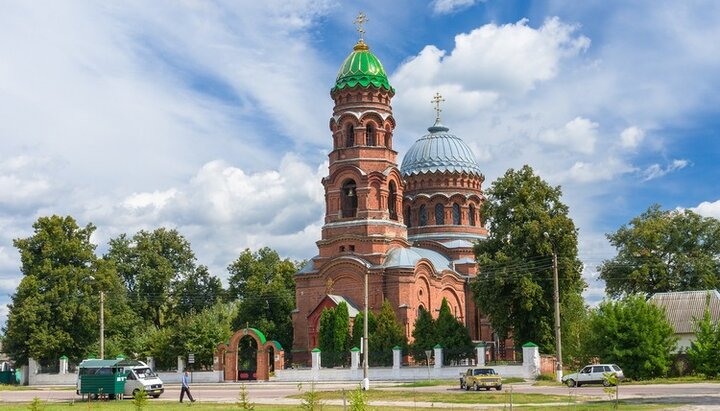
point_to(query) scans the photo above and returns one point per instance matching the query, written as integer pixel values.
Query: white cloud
(452, 6)
(656, 170)
(631, 137)
(578, 135)
(582, 172)
(708, 209)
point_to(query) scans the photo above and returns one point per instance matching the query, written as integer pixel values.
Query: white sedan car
(592, 374)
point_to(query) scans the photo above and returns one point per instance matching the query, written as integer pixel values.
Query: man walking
(186, 386)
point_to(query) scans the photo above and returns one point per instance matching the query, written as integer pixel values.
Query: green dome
(362, 68)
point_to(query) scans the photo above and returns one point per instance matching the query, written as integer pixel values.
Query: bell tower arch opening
(349, 199)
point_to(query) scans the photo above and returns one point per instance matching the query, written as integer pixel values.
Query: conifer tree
(326, 337)
(452, 335)
(424, 335)
(388, 334)
(341, 334)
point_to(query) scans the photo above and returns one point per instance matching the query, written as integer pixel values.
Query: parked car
(480, 377)
(592, 374)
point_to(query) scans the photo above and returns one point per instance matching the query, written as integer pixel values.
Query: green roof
(361, 68)
(529, 344)
(480, 344)
(354, 349)
(437, 345)
(316, 350)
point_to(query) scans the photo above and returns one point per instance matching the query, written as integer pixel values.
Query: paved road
(703, 396)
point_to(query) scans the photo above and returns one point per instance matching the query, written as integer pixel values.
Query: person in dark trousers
(186, 386)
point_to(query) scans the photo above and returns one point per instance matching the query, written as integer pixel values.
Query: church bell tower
(363, 189)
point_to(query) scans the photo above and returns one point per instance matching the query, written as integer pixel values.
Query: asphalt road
(703, 396)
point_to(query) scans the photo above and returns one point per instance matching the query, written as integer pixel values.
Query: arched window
(392, 201)
(349, 199)
(439, 214)
(456, 213)
(350, 136)
(370, 135)
(472, 214)
(408, 217)
(422, 217)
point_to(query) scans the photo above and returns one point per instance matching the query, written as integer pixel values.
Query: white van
(139, 376)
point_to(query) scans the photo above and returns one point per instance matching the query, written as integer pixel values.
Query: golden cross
(359, 21)
(436, 101)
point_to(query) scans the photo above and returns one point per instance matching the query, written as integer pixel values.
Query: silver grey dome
(439, 151)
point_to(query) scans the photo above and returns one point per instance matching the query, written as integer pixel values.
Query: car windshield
(616, 368)
(485, 371)
(144, 373)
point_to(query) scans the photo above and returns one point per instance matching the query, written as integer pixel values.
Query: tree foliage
(515, 284)
(704, 351)
(264, 285)
(424, 335)
(334, 335)
(661, 251)
(634, 334)
(151, 264)
(55, 309)
(358, 329)
(452, 335)
(387, 335)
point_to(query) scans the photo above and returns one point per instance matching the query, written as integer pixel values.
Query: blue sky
(212, 117)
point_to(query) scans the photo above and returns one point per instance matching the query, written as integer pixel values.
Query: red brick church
(410, 229)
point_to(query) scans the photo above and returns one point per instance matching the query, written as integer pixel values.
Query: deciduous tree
(55, 308)
(514, 286)
(661, 251)
(634, 334)
(151, 263)
(264, 287)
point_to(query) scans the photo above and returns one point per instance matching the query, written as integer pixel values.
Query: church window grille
(392, 201)
(349, 199)
(439, 214)
(350, 136)
(370, 135)
(472, 215)
(456, 213)
(422, 217)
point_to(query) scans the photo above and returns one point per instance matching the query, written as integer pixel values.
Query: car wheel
(467, 387)
(499, 387)
(156, 396)
(462, 385)
(571, 383)
(135, 392)
(606, 383)
(477, 387)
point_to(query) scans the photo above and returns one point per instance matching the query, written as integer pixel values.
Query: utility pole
(366, 379)
(558, 345)
(102, 325)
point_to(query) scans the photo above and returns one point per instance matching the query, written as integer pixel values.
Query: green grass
(165, 406)
(6, 387)
(427, 383)
(672, 380)
(470, 397)
(512, 380)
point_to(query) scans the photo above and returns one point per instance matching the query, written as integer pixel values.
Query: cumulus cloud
(582, 172)
(578, 135)
(708, 209)
(656, 170)
(631, 137)
(505, 58)
(452, 6)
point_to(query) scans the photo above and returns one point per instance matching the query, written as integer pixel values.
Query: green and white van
(139, 376)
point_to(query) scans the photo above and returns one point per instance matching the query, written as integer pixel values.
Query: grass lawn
(436, 383)
(169, 406)
(469, 397)
(672, 380)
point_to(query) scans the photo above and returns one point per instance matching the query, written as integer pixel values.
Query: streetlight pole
(102, 325)
(366, 378)
(556, 298)
(558, 345)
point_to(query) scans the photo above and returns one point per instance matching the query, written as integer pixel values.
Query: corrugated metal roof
(408, 257)
(458, 244)
(440, 152)
(352, 309)
(683, 307)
